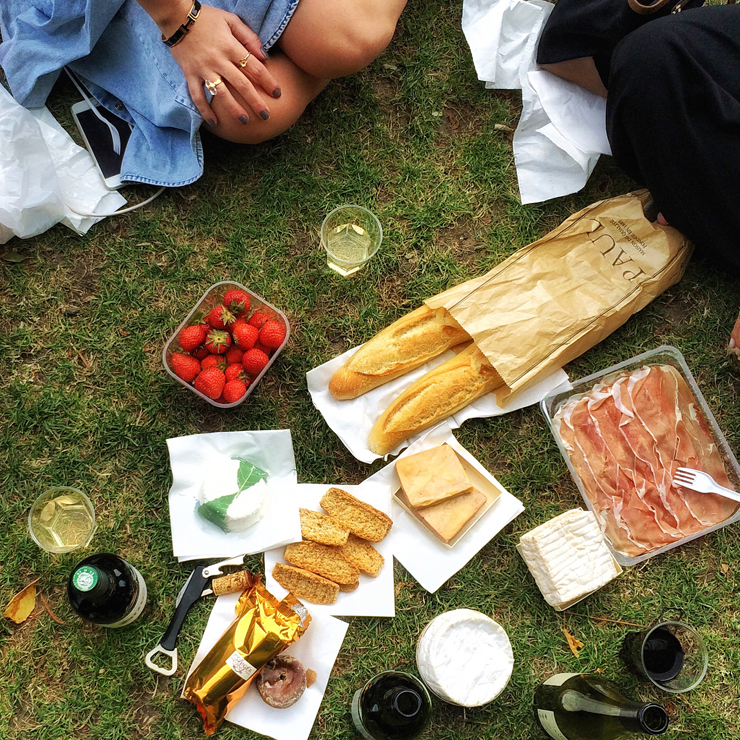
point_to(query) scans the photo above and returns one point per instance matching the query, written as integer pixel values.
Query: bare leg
(735, 338)
(324, 39)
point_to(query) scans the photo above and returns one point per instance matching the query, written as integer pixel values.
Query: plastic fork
(697, 480)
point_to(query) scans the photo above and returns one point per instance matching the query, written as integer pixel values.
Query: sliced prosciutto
(625, 439)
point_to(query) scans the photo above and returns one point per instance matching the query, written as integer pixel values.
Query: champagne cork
(232, 583)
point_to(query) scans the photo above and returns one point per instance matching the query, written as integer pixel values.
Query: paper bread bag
(556, 298)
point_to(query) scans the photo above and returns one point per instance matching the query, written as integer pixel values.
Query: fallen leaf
(48, 609)
(22, 604)
(14, 257)
(574, 643)
(503, 127)
(725, 568)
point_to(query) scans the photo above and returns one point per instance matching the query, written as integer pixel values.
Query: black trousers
(673, 120)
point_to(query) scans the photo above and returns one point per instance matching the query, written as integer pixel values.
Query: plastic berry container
(212, 297)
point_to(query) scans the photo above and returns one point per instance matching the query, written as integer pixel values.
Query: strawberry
(218, 341)
(185, 366)
(237, 301)
(220, 317)
(262, 348)
(235, 372)
(191, 337)
(233, 354)
(201, 352)
(257, 319)
(254, 361)
(245, 335)
(214, 361)
(234, 390)
(211, 382)
(272, 334)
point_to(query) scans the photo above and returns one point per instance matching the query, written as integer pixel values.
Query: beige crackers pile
(336, 548)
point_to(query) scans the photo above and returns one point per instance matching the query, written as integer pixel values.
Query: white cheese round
(465, 657)
(248, 507)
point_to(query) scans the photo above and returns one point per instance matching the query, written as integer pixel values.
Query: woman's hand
(212, 50)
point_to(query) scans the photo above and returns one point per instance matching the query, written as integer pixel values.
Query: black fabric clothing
(673, 109)
(673, 121)
(592, 28)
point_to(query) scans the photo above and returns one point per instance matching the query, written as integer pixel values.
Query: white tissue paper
(562, 129)
(194, 458)
(352, 420)
(41, 169)
(317, 649)
(422, 554)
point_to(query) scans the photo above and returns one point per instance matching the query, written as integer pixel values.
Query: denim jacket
(117, 51)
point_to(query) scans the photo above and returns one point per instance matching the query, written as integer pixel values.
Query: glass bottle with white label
(107, 590)
(586, 706)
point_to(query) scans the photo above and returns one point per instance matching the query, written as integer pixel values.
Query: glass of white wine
(351, 235)
(61, 519)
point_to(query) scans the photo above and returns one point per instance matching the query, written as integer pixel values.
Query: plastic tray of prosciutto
(623, 432)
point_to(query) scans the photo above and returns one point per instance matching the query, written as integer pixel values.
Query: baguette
(440, 393)
(405, 344)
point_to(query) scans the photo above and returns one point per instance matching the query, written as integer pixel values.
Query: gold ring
(243, 62)
(211, 86)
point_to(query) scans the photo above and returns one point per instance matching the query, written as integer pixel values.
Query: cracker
(324, 560)
(321, 528)
(305, 585)
(362, 555)
(358, 517)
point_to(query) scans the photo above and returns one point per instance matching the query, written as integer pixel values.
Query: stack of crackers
(336, 548)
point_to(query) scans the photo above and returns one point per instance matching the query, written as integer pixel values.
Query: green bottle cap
(85, 578)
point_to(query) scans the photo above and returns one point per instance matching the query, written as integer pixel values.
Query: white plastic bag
(41, 169)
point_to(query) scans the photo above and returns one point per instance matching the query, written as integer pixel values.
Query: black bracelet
(184, 29)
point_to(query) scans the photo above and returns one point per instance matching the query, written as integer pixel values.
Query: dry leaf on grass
(22, 604)
(574, 643)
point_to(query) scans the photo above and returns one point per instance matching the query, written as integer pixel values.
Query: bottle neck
(405, 702)
(91, 581)
(651, 719)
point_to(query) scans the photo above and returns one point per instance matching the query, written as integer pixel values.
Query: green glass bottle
(586, 706)
(391, 706)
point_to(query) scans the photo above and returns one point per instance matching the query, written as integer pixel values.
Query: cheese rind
(465, 657)
(432, 476)
(568, 557)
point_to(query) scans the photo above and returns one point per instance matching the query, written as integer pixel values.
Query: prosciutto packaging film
(625, 437)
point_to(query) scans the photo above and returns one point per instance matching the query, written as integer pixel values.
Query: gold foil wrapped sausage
(263, 628)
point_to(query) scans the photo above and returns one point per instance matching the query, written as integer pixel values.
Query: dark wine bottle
(105, 589)
(391, 706)
(585, 706)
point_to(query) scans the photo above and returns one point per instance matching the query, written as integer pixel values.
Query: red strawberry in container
(233, 354)
(211, 382)
(201, 352)
(192, 337)
(272, 334)
(185, 366)
(237, 301)
(220, 317)
(236, 372)
(234, 390)
(244, 335)
(257, 319)
(218, 341)
(214, 361)
(254, 361)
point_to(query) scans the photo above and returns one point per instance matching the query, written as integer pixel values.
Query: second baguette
(440, 393)
(407, 343)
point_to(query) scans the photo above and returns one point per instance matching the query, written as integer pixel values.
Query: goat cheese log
(399, 348)
(438, 394)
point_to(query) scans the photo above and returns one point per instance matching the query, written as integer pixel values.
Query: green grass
(84, 400)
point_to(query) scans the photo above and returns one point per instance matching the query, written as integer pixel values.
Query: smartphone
(99, 141)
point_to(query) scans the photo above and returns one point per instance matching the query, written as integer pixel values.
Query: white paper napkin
(352, 420)
(317, 649)
(375, 597)
(425, 557)
(193, 537)
(562, 129)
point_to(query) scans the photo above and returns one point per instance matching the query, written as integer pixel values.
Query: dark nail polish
(277, 92)
(244, 120)
(264, 114)
(211, 122)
